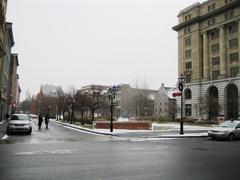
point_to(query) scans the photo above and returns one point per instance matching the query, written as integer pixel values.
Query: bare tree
(172, 109)
(70, 100)
(141, 102)
(60, 103)
(81, 103)
(25, 106)
(210, 105)
(95, 99)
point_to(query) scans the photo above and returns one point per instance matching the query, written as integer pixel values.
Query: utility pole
(180, 88)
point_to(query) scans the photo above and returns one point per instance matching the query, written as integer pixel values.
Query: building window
(214, 35)
(215, 48)
(211, 7)
(187, 17)
(228, 1)
(188, 54)
(229, 14)
(216, 61)
(188, 42)
(211, 21)
(232, 28)
(187, 30)
(188, 110)
(234, 71)
(233, 43)
(215, 74)
(188, 65)
(234, 57)
(188, 78)
(188, 94)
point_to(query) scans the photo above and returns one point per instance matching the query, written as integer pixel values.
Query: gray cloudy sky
(82, 42)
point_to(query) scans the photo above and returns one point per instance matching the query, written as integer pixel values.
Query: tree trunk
(92, 115)
(69, 115)
(82, 121)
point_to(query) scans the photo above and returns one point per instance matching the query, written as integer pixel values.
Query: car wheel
(213, 138)
(231, 137)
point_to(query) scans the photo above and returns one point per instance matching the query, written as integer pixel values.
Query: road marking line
(61, 151)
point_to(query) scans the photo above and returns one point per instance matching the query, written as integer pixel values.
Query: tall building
(5, 68)
(13, 85)
(208, 56)
(3, 9)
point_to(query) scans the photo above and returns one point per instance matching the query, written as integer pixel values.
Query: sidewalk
(166, 130)
(3, 128)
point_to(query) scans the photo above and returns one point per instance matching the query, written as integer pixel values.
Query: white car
(226, 130)
(19, 123)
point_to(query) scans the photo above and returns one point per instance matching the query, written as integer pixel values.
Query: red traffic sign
(175, 94)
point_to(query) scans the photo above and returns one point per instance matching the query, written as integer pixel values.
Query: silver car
(19, 123)
(226, 130)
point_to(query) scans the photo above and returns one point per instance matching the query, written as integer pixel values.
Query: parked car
(19, 123)
(226, 130)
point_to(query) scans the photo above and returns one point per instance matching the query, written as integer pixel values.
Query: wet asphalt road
(63, 153)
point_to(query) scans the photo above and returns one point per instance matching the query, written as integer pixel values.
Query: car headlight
(11, 124)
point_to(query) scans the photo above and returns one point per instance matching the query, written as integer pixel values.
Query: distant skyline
(108, 42)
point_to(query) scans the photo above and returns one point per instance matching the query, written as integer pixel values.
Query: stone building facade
(208, 56)
(5, 68)
(164, 102)
(13, 89)
(134, 102)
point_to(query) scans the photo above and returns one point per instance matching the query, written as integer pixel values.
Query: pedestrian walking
(46, 120)
(7, 116)
(40, 120)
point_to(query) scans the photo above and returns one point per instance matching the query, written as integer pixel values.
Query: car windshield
(20, 117)
(228, 124)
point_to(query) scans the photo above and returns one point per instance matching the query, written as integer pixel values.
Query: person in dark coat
(46, 120)
(7, 116)
(40, 120)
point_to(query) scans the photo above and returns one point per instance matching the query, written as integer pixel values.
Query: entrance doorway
(213, 103)
(232, 102)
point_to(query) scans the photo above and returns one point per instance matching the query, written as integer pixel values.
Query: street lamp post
(180, 87)
(111, 95)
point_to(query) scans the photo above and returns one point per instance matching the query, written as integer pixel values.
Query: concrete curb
(192, 135)
(81, 128)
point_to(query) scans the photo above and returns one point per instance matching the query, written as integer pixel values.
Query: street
(63, 153)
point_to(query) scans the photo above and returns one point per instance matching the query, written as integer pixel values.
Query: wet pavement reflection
(54, 134)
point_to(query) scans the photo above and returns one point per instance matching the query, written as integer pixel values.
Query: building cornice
(199, 19)
(213, 81)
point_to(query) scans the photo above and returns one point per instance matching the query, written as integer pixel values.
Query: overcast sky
(82, 42)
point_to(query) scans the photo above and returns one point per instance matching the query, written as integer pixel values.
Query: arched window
(188, 94)
(232, 101)
(212, 103)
